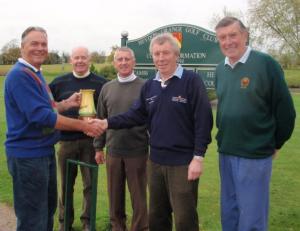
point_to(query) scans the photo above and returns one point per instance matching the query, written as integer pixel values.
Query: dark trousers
(35, 192)
(171, 192)
(133, 170)
(82, 150)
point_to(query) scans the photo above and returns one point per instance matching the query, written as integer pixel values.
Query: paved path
(7, 218)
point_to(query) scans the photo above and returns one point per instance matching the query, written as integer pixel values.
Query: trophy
(87, 107)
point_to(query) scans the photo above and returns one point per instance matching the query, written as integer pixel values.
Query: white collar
(23, 61)
(126, 79)
(243, 59)
(178, 73)
(81, 76)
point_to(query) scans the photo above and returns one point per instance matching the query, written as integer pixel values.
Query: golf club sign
(199, 52)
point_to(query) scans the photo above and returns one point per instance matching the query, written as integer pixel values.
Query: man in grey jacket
(126, 149)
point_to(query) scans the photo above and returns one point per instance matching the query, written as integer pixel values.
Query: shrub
(108, 71)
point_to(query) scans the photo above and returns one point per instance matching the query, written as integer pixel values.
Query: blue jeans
(35, 192)
(245, 187)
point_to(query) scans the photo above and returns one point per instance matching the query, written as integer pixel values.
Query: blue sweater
(29, 114)
(179, 118)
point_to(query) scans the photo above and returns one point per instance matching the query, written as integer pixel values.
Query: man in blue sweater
(255, 117)
(31, 134)
(176, 109)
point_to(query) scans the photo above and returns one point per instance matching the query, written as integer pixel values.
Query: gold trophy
(87, 107)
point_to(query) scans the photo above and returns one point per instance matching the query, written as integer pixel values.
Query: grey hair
(228, 20)
(162, 38)
(30, 29)
(125, 49)
(80, 47)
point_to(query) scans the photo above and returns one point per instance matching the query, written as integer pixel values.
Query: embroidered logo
(179, 99)
(245, 82)
(151, 100)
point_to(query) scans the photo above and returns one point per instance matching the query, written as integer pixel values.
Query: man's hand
(100, 157)
(195, 169)
(95, 127)
(74, 100)
(102, 123)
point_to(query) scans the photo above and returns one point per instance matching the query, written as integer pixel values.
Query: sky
(97, 24)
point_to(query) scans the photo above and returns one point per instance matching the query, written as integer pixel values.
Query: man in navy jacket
(176, 109)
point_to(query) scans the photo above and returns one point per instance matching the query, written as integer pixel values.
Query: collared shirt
(126, 79)
(23, 61)
(178, 73)
(243, 59)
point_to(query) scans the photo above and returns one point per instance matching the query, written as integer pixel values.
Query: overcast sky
(98, 24)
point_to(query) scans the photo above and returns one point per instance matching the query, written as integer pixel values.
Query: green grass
(48, 70)
(285, 185)
(293, 78)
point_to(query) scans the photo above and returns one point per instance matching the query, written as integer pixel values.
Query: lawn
(285, 200)
(292, 76)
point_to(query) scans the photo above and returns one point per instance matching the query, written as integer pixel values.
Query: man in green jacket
(255, 117)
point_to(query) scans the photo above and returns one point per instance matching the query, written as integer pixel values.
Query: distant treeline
(11, 51)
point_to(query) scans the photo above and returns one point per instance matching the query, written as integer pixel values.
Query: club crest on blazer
(245, 81)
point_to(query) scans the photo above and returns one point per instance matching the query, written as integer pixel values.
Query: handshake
(95, 127)
(91, 127)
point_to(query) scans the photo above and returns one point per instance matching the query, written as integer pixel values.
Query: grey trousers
(132, 170)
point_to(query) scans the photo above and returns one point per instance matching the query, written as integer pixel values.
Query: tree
(277, 23)
(98, 57)
(53, 58)
(93, 69)
(225, 12)
(110, 58)
(11, 44)
(108, 71)
(10, 52)
(65, 57)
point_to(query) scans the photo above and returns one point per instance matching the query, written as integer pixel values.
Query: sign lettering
(199, 51)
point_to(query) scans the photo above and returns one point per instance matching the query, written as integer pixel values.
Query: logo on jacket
(151, 99)
(179, 99)
(245, 82)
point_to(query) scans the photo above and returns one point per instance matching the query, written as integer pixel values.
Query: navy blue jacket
(64, 86)
(179, 118)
